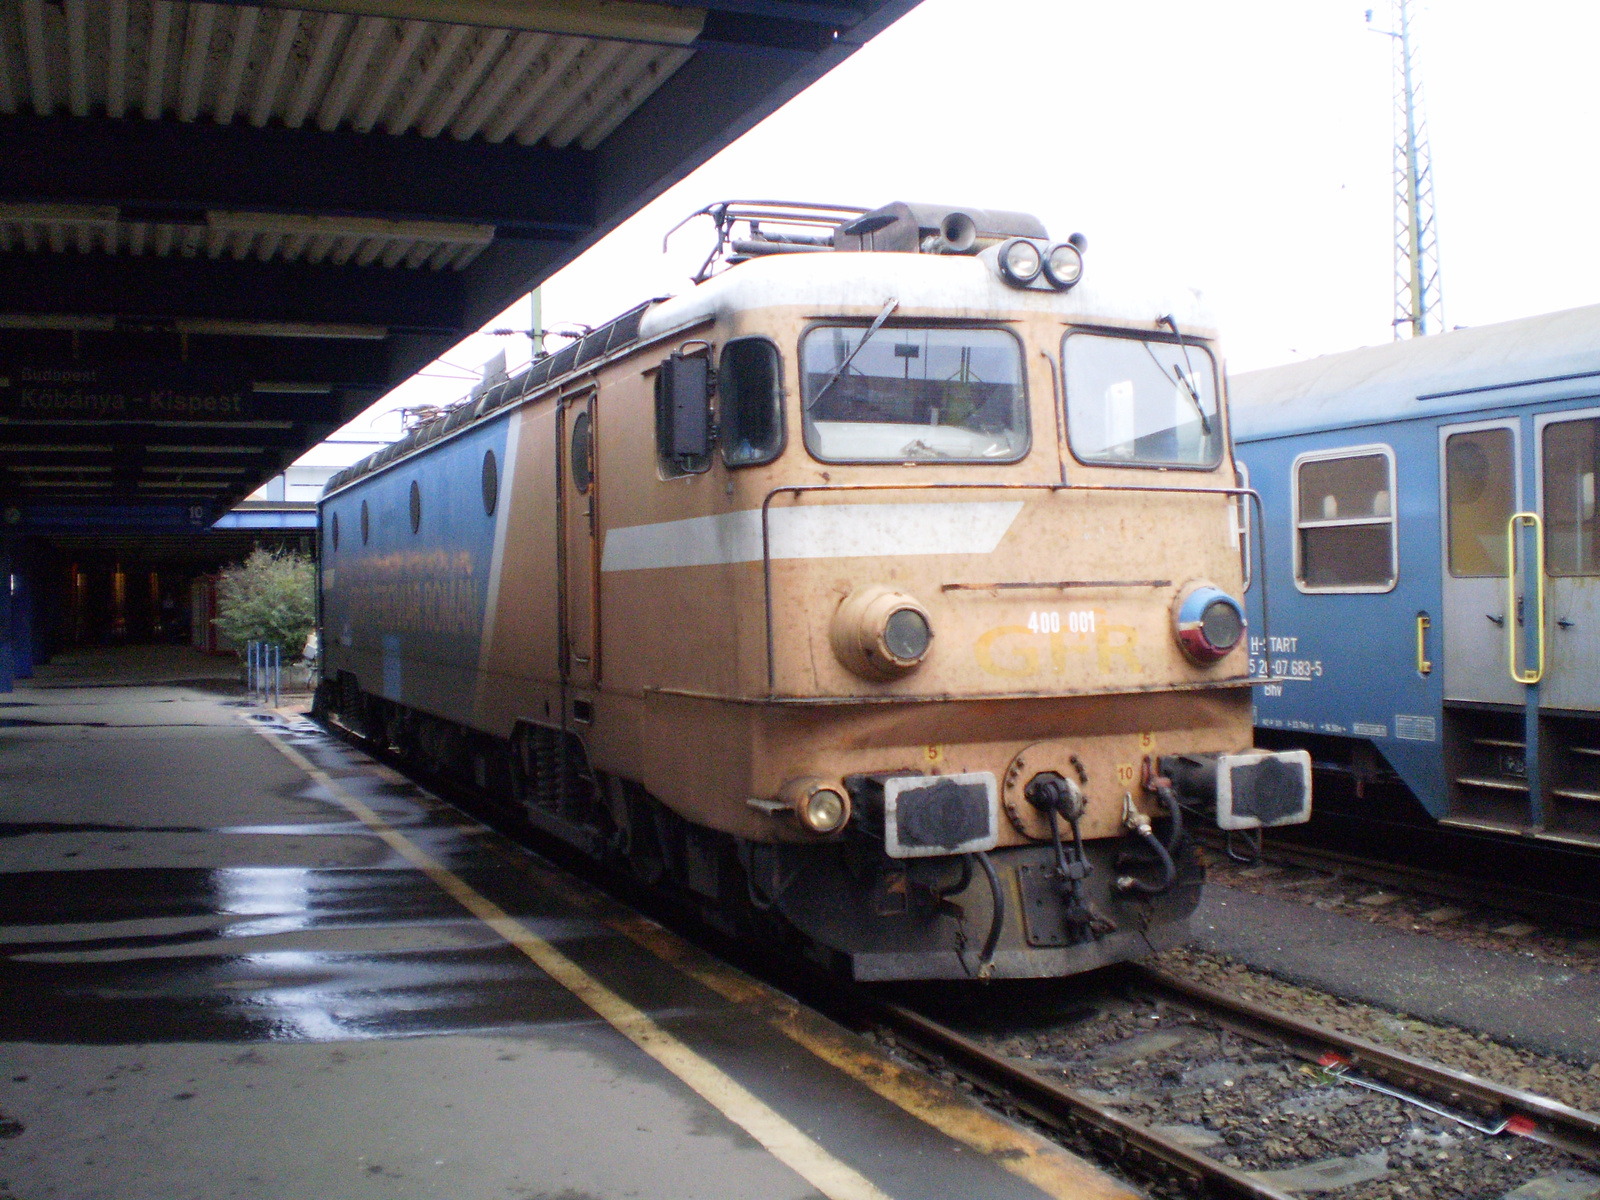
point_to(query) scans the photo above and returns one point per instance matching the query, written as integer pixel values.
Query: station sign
(118, 519)
(143, 393)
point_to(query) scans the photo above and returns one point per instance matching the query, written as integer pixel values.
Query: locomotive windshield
(1138, 402)
(940, 393)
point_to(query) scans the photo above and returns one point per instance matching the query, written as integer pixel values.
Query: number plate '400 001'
(926, 815)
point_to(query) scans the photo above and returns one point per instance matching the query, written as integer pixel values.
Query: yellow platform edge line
(785, 1142)
(1051, 1168)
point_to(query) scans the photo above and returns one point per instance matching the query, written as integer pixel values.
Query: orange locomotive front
(881, 593)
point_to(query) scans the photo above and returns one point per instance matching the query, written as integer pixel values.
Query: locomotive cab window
(750, 402)
(1344, 521)
(1141, 402)
(913, 394)
(582, 452)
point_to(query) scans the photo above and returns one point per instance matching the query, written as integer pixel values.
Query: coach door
(580, 514)
(1482, 488)
(1492, 776)
(1568, 457)
(1567, 461)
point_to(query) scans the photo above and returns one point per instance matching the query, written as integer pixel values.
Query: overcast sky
(1244, 149)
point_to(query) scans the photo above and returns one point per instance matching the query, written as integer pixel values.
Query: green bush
(270, 597)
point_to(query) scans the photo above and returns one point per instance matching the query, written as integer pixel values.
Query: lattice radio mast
(1418, 302)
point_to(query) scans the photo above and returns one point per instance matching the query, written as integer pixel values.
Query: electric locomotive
(1436, 600)
(882, 592)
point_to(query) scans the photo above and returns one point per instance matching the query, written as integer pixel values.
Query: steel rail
(1058, 1106)
(1524, 1113)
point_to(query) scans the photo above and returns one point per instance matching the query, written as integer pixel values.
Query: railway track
(1103, 1129)
(1488, 1108)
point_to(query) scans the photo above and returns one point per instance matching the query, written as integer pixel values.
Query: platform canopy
(225, 229)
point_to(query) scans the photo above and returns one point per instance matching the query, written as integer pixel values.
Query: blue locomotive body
(1428, 597)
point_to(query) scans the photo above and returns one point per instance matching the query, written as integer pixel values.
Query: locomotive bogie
(693, 609)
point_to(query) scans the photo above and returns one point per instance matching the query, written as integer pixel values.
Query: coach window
(1572, 527)
(1344, 521)
(335, 530)
(416, 507)
(750, 403)
(366, 524)
(1480, 478)
(908, 394)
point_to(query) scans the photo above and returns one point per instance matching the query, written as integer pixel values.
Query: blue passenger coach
(1431, 568)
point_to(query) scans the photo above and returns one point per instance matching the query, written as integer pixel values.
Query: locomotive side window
(750, 411)
(583, 452)
(491, 483)
(951, 395)
(1480, 490)
(1141, 402)
(1344, 521)
(1572, 527)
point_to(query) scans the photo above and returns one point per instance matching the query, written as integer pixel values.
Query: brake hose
(997, 922)
(1169, 872)
(1175, 813)
(1075, 908)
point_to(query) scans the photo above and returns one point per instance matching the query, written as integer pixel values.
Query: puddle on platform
(245, 954)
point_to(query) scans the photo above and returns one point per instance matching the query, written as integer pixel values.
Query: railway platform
(241, 958)
(1509, 997)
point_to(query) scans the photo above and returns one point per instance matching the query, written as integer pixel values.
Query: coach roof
(1404, 380)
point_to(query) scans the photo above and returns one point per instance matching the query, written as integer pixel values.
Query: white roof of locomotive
(948, 285)
(824, 283)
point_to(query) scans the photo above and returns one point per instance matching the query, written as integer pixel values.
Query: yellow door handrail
(1532, 520)
(1424, 623)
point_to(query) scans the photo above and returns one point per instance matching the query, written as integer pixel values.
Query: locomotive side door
(580, 659)
(1480, 486)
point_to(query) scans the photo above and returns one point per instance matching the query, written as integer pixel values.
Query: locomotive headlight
(1208, 622)
(880, 633)
(1020, 261)
(823, 811)
(818, 805)
(1063, 266)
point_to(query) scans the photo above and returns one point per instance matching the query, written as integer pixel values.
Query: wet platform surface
(239, 958)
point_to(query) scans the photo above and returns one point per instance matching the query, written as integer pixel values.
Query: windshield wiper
(1187, 379)
(876, 325)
